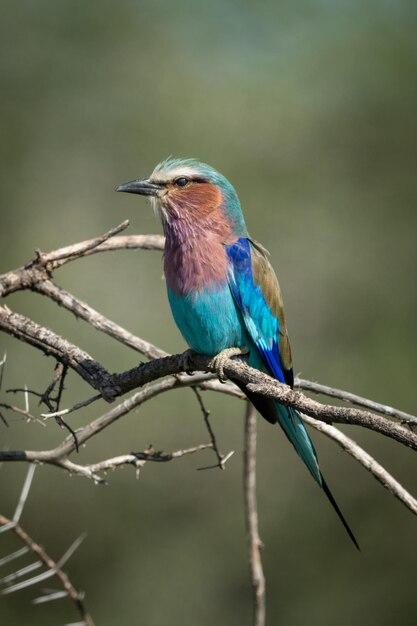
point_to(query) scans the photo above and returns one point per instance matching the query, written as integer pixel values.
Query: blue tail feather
(291, 423)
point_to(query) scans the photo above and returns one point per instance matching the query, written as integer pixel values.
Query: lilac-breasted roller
(221, 287)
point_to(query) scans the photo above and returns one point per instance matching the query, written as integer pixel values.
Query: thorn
(24, 494)
(26, 399)
(2, 367)
(7, 527)
(13, 555)
(221, 464)
(21, 572)
(73, 547)
(226, 458)
(48, 597)
(29, 582)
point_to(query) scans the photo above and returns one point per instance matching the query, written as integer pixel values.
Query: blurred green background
(309, 108)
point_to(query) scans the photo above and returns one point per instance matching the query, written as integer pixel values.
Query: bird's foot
(185, 361)
(218, 362)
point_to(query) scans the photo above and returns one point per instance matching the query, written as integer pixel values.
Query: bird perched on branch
(223, 292)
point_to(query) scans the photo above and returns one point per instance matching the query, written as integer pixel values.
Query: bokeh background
(309, 108)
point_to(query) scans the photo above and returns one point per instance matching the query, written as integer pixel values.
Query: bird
(223, 292)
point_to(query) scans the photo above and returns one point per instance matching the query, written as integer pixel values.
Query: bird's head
(186, 189)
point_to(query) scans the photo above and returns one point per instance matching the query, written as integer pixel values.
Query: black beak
(142, 186)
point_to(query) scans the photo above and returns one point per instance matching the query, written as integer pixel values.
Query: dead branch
(251, 514)
(114, 385)
(143, 381)
(37, 276)
(53, 568)
(352, 398)
(221, 458)
(137, 459)
(366, 460)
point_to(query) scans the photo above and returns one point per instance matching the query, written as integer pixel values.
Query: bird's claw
(219, 361)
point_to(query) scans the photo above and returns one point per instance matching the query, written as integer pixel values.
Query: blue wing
(256, 292)
(257, 295)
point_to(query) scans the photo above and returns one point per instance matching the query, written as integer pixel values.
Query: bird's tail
(291, 423)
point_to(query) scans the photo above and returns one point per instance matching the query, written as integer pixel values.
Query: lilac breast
(195, 258)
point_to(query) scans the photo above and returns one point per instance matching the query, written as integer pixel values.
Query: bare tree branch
(111, 386)
(41, 267)
(86, 248)
(251, 513)
(221, 458)
(366, 460)
(137, 459)
(351, 398)
(86, 312)
(37, 275)
(58, 455)
(255, 380)
(53, 568)
(52, 344)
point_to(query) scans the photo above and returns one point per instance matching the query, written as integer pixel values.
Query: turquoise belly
(209, 321)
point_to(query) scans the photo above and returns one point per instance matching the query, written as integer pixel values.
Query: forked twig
(221, 458)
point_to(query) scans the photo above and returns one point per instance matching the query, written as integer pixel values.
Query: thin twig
(60, 372)
(86, 312)
(86, 248)
(206, 417)
(352, 398)
(15, 409)
(251, 510)
(79, 250)
(137, 459)
(75, 407)
(366, 460)
(44, 263)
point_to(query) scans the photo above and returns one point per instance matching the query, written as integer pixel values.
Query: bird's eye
(181, 182)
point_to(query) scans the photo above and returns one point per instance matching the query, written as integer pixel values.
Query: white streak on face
(171, 173)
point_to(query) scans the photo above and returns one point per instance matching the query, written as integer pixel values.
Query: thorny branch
(52, 567)
(37, 275)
